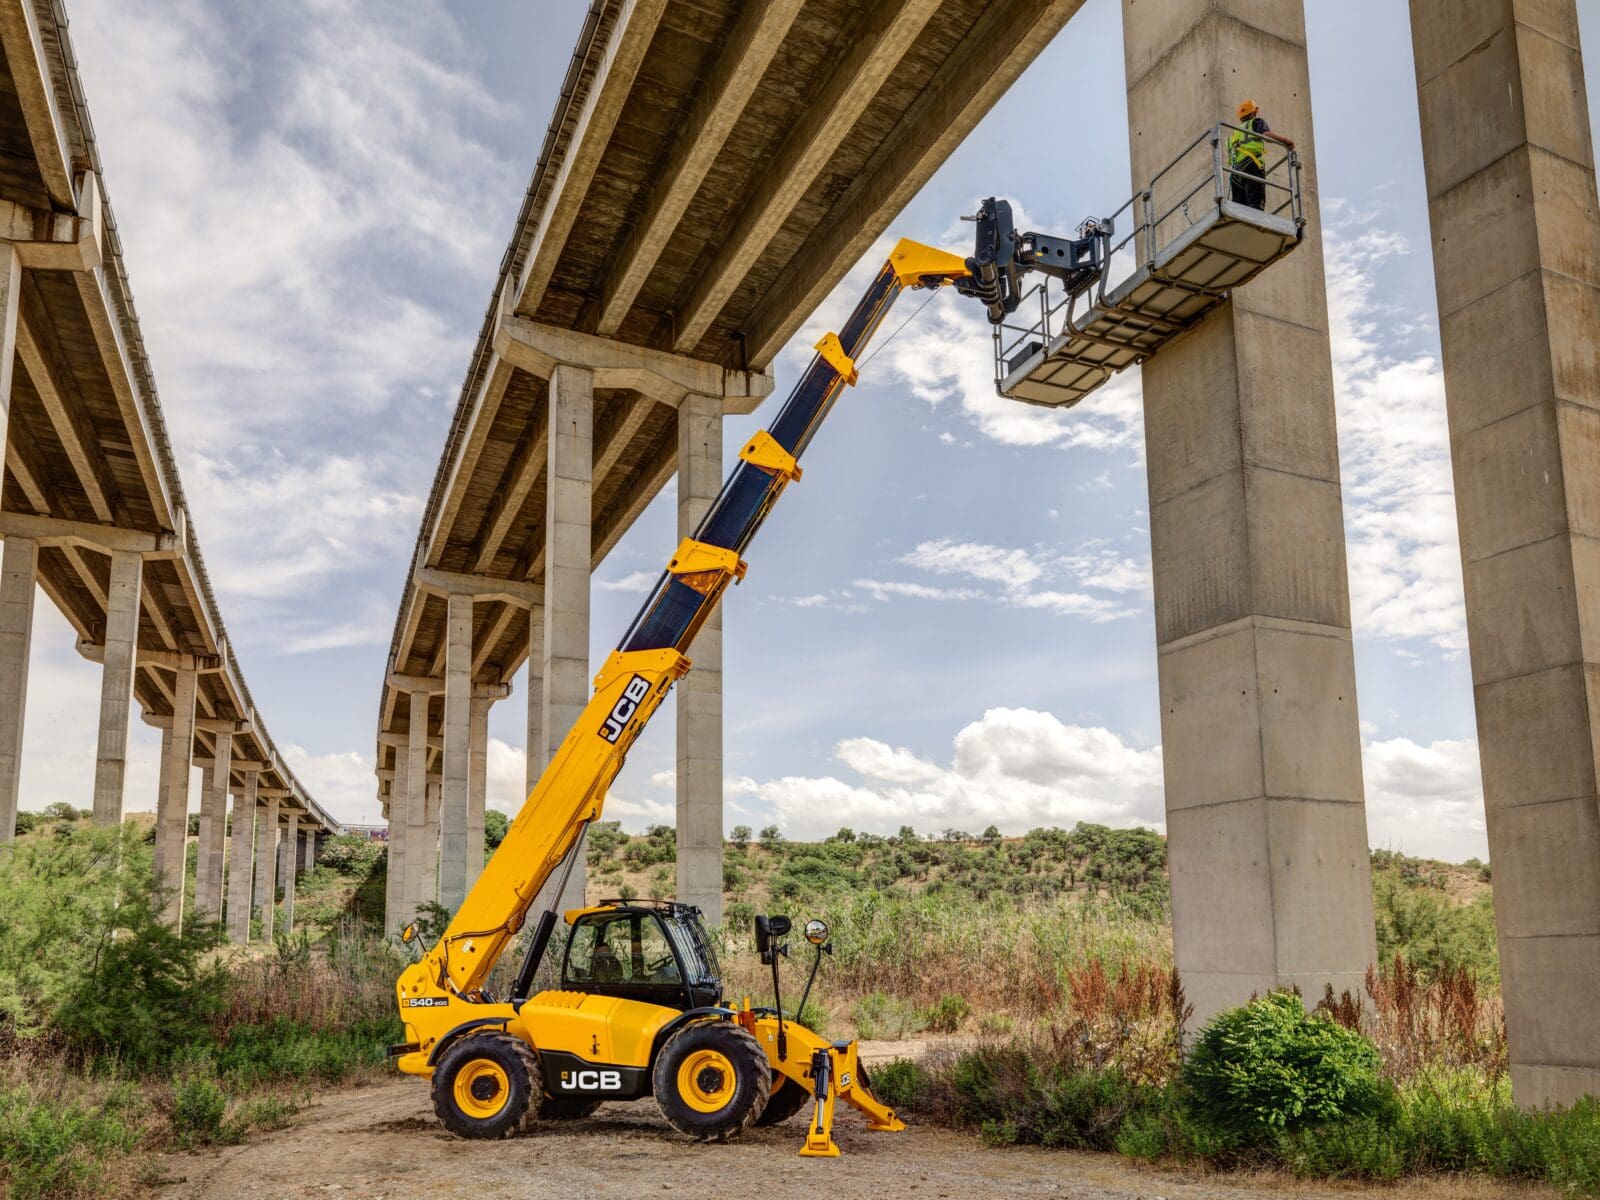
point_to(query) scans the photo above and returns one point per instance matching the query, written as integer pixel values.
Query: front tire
(712, 1081)
(485, 1085)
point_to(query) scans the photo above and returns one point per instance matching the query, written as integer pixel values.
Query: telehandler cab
(639, 1010)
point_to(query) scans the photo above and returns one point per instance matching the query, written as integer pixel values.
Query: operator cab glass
(660, 956)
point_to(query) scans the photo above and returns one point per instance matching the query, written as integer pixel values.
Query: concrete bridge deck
(92, 508)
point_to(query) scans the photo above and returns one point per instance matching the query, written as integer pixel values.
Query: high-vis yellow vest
(1242, 145)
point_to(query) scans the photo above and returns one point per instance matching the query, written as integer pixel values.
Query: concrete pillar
(1516, 258)
(535, 763)
(116, 684)
(394, 892)
(564, 676)
(267, 865)
(288, 860)
(213, 842)
(1265, 811)
(172, 810)
(457, 765)
(478, 790)
(700, 692)
(19, 564)
(430, 837)
(421, 854)
(308, 851)
(241, 860)
(202, 861)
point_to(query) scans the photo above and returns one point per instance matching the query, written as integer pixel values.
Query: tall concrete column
(564, 676)
(430, 835)
(172, 811)
(535, 763)
(1516, 258)
(478, 790)
(213, 842)
(700, 692)
(421, 853)
(308, 851)
(241, 847)
(267, 865)
(202, 861)
(288, 860)
(394, 893)
(116, 684)
(19, 564)
(1265, 811)
(457, 756)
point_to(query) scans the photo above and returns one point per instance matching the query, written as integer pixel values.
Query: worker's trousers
(1249, 184)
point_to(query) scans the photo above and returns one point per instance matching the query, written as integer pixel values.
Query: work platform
(1191, 244)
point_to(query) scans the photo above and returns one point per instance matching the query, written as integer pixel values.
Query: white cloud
(993, 564)
(345, 787)
(1014, 767)
(1425, 799)
(637, 581)
(1394, 452)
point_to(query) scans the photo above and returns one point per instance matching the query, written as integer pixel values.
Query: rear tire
(485, 1084)
(712, 1081)
(786, 1098)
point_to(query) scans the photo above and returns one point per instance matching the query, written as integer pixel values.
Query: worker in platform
(1247, 156)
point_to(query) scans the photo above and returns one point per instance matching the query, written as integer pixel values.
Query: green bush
(198, 1107)
(1270, 1067)
(53, 1146)
(1432, 931)
(900, 1083)
(351, 854)
(495, 827)
(947, 1015)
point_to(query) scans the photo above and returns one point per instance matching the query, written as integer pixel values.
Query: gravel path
(383, 1141)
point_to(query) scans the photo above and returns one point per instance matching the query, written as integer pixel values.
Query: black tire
(787, 1098)
(567, 1108)
(485, 1084)
(712, 1081)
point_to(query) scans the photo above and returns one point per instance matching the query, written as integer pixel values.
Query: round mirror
(409, 932)
(816, 932)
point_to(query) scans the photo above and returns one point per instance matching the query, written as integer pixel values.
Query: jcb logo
(622, 711)
(591, 1081)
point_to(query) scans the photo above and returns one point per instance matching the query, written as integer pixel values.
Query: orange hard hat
(1247, 108)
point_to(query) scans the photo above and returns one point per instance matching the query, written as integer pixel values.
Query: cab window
(628, 948)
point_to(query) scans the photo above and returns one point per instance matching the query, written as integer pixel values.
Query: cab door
(626, 954)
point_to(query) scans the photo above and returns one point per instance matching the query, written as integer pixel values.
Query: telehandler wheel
(786, 1099)
(712, 1081)
(566, 1108)
(485, 1085)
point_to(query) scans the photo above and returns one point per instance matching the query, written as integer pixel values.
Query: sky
(948, 623)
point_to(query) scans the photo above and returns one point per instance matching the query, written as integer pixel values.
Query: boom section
(652, 655)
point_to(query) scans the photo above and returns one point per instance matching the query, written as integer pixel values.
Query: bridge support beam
(1265, 813)
(456, 784)
(1516, 259)
(213, 831)
(288, 861)
(422, 854)
(564, 674)
(478, 788)
(172, 809)
(267, 865)
(394, 891)
(241, 856)
(123, 597)
(19, 565)
(699, 775)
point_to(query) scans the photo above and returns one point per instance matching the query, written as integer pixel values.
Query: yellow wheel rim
(706, 1081)
(482, 1089)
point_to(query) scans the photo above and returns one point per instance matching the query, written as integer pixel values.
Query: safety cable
(883, 344)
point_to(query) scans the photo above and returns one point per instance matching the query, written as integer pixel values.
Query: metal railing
(1160, 214)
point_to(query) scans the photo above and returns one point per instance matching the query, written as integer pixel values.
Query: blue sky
(948, 622)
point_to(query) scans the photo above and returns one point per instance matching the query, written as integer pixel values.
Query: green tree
(771, 836)
(495, 825)
(740, 836)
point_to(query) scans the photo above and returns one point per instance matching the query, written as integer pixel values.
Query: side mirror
(816, 932)
(409, 933)
(768, 931)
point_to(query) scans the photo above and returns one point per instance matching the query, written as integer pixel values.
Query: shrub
(946, 1016)
(52, 1146)
(739, 835)
(351, 854)
(198, 1107)
(900, 1083)
(887, 1017)
(1270, 1066)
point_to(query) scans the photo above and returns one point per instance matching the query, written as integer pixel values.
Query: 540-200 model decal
(622, 711)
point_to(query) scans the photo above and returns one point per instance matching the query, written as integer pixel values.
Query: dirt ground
(383, 1141)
